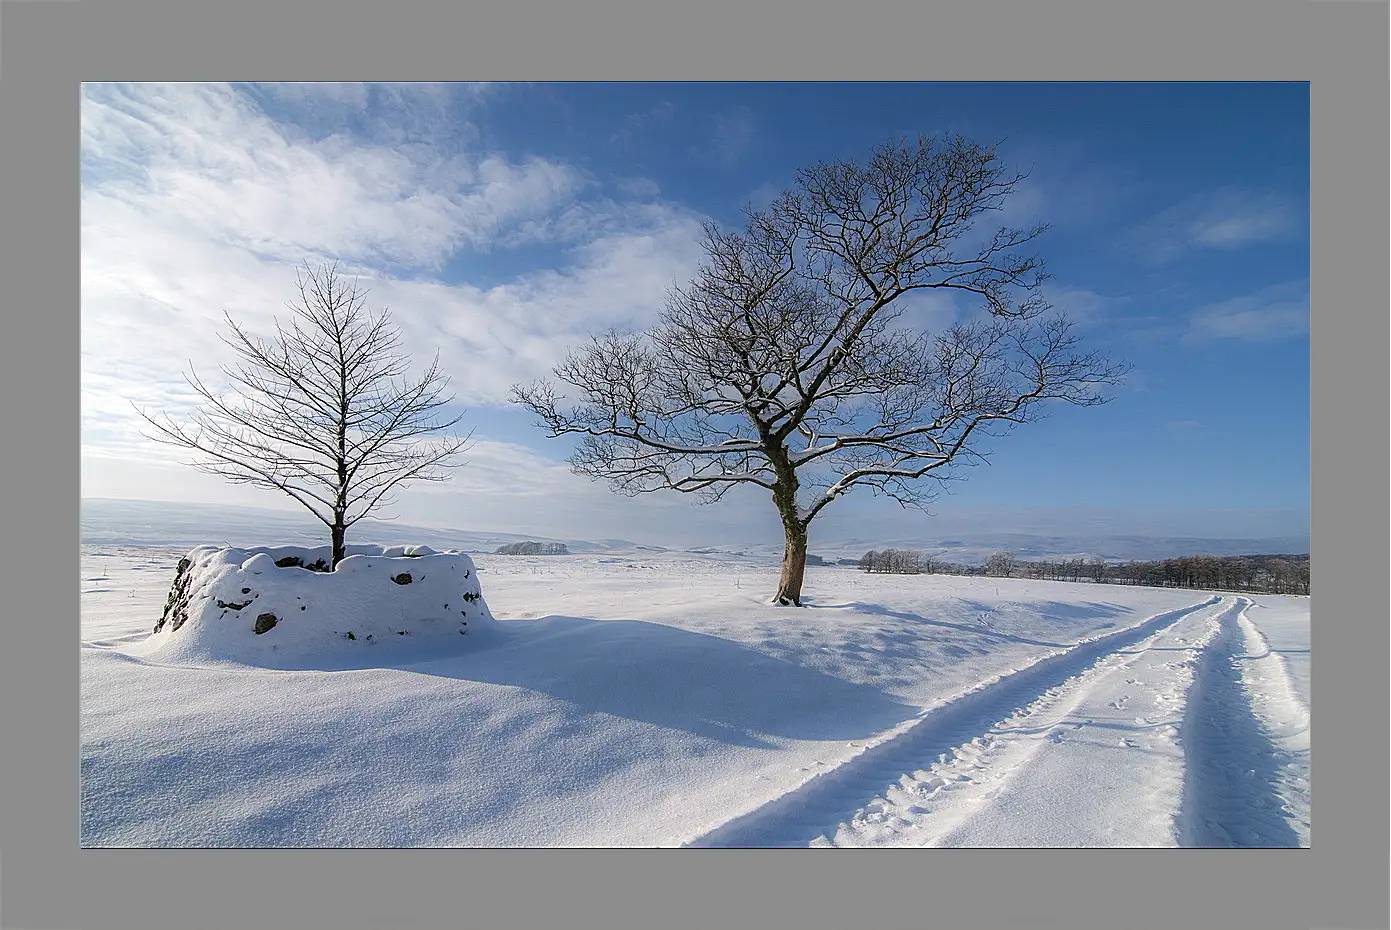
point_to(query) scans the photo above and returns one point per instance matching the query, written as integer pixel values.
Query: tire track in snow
(1105, 770)
(958, 726)
(1245, 742)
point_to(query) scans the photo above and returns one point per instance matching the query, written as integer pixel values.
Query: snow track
(1246, 743)
(959, 752)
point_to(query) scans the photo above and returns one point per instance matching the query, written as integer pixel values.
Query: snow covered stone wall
(280, 605)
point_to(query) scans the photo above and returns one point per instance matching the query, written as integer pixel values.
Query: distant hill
(164, 523)
(161, 523)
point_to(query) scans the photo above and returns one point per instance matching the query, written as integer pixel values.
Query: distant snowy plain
(642, 698)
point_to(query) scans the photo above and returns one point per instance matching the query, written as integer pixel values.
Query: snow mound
(280, 606)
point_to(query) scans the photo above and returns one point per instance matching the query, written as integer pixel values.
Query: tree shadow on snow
(701, 684)
(1050, 609)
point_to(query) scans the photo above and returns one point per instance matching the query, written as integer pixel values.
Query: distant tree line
(1260, 574)
(532, 548)
(902, 562)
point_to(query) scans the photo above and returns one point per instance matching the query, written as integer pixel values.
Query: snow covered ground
(637, 698)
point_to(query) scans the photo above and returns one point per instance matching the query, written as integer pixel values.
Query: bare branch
(324, 411)
(786, 361)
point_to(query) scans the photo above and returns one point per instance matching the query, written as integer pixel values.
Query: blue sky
(503, 223)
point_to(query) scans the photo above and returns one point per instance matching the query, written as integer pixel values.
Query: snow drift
(281, 607)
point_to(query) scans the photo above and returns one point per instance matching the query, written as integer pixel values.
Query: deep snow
(645, 698)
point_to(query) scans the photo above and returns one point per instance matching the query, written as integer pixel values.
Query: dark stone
(400, 632)
(301, 607)
(176, 606)
(231, 605)
(350, 635)
(403, 578)
(245, 590)
(289, 560)
(265, 622)
(471, 597)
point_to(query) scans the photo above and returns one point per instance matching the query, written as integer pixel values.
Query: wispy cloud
(636, 124)
(400, 114)
(1081, 305)
(205, 162)
(501, 486)
(732, 134)
(196, 200)
(1224, 219)
(639, 187)
(928, 311)
(1275, 312)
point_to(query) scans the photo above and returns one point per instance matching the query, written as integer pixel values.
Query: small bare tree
(777, 366)
(323, 411)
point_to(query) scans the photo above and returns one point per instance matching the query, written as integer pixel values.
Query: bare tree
(323, 411)
(777, 366)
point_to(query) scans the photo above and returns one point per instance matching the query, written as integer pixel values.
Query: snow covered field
(656, 699)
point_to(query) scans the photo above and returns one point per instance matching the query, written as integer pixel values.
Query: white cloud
(928, 311)
(203, 161)
(1274, 313)
(337, 97)
(639, 187)
(1080, 304)
(195, 202)
(1224, 219)
(503, 487)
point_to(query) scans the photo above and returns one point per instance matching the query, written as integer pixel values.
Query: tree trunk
(338, 549)
(794, 566)
(794, 557)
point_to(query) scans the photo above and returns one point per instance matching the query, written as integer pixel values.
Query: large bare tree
(778, 364)
(324, 411)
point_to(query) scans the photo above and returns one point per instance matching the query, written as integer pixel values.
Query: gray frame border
(48, 46)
